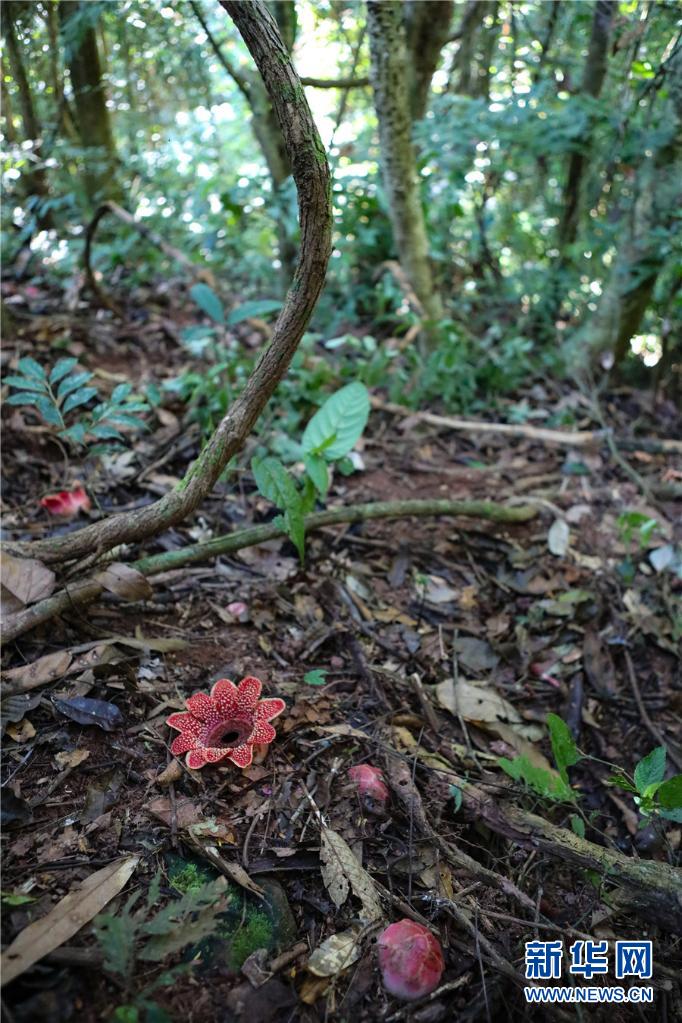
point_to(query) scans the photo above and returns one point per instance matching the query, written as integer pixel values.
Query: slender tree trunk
(593, 79)
(35, 178)
(389, 59)
(480, 86)
(641, 255)
(464, 62)
(94, 122)
(428, 29)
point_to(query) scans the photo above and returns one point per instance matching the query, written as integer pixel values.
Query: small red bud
(370, 785)
(410, 959)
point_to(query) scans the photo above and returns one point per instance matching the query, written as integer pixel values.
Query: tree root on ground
(85, 591)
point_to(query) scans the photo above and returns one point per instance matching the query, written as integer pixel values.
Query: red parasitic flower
(410, 959)
(370, 785)
(226, 724)
(66, 503)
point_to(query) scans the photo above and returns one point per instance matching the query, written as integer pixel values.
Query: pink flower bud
(410, 959)
(370, 785)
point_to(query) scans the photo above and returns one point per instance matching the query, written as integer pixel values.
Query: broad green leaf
(545, 783)
(104, 432)
(456, 793)
(81, 397)
(258, 308)
(670, 793)
(125, 420)
(317, 470)
(73, 383)
(76, 433)
(30, 368)
(25, 398)
(275, 483)
(61, 368)
(622, 782)
(650, 769)
(208, 302)
(565, 751)
(337, 426)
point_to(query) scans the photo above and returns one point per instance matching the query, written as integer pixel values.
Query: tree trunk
(287, 22)
(593, 78)
(389, 59)
(465, 60)
(265, 127)
(94, 122)
(428, 28)
(35, 178)
(642, 252)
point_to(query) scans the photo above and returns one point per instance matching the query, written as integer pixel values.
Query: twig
(574, 439)
(644, 714)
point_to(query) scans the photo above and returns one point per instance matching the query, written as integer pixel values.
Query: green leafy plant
(329, 437)
(133, 935)
(654, 796)
(635, 530)
(60, 397)
(550, 784)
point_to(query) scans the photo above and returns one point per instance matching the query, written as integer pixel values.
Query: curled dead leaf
(25, 580)
(125, 582)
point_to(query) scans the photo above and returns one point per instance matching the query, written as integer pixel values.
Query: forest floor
(428, 648)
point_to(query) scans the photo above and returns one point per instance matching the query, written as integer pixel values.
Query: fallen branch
(200, 273)
(313, 184)
(567, 438)
(650, 889)
(87, 590)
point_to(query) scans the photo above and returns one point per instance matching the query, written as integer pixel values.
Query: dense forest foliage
(530, 186)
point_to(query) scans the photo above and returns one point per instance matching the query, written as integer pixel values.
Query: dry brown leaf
(70, 914)
(125, 582)
(170, 774)
(38, 673)
(336, 953)
(26, 579)
(72, 758)
(22, 731)
(186, 812)
(341, 871)
(482, 705)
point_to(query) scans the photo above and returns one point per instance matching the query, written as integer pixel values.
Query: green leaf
(577, 825)
(670, 793)
(316, 677)
(26, 384)
(25, 398)
(30, 368)
(456, 793)
(61, 368)
(317, 470)
(565, 751)
(76, 433)
(672, 815)
(73, 383)
(278, 485)
(49, 411)
(622, 782)
(125, 420)
(336, 427)
(545, 783)
(120, 393)
(104, 432)
(650, 769)
(258, 308)
(126, 1014)
(9, 899)
(208, 302)
(80, 397)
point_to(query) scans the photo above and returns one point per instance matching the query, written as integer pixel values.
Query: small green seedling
(654, 796)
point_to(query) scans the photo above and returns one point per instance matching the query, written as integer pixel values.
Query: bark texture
(311, 174)
(389, 60)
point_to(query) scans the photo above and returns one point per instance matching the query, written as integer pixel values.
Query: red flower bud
(370, 785)
(410, 959)
(66, 503)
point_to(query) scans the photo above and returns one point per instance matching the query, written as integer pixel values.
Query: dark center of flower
(229, 733)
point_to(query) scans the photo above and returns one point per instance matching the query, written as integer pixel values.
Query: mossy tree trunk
(389, 60)
(92, 113)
